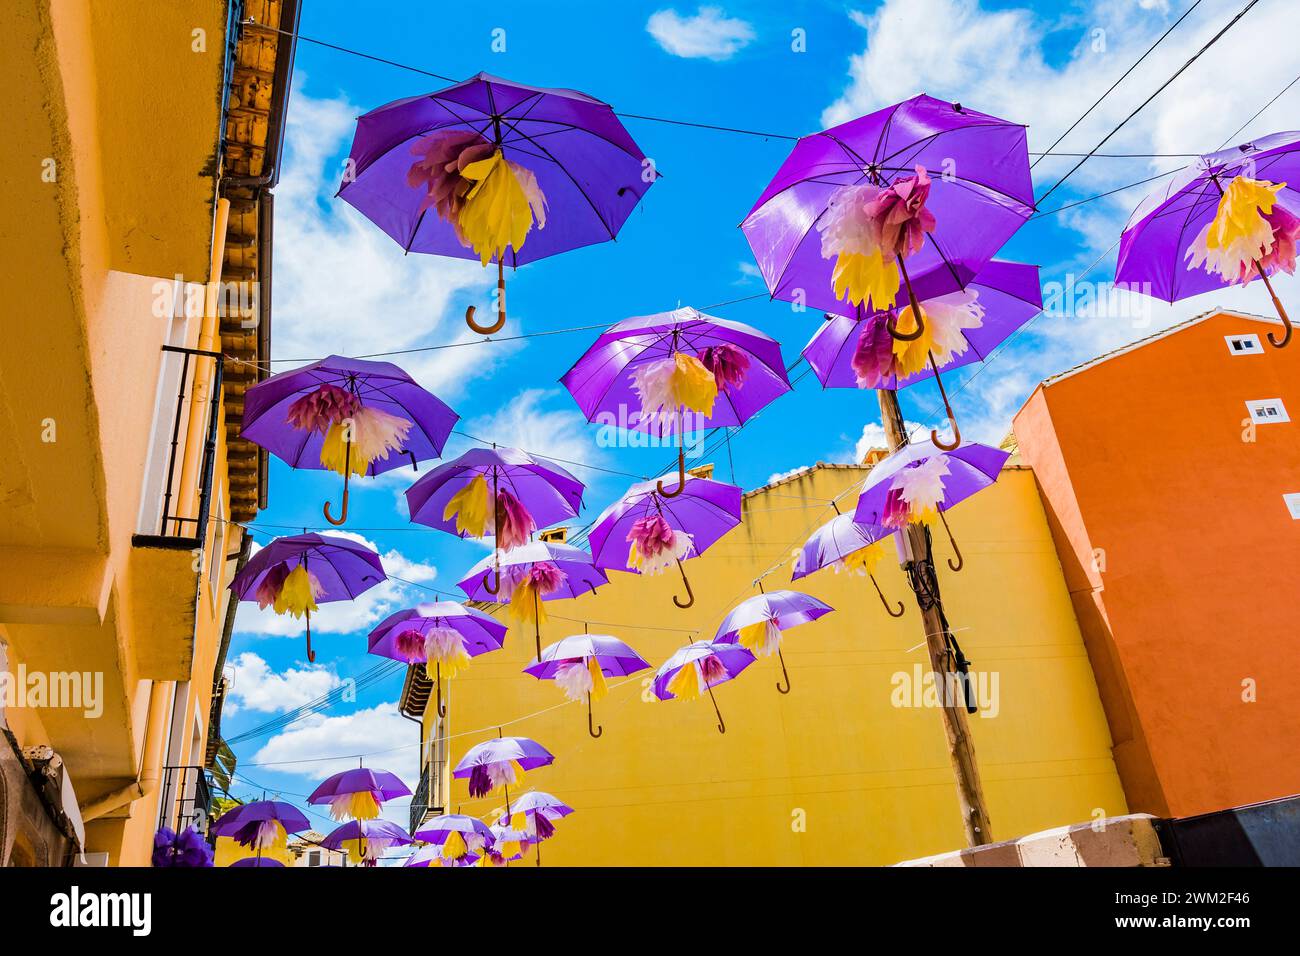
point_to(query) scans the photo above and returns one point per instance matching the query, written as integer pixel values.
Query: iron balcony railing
(421, 805)
(175, 529)
(186, 798)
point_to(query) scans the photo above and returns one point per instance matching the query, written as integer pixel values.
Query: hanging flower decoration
(945, 322)
(862, 562)
(867, 228)
(491, 202)
(532, 583)
(184, 849)
(461, 849)
(915, 493)
(355, 434)
(679, 381)
(476, 518)
(262, 836)
(1250, 227)
(656, 545)
(443, 647)
(763, 638)
(581, 676)
(728, 364)
(289, 590)
(486, 777)
(358, 805)
(694, 679)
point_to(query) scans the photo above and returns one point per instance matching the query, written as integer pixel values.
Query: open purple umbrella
(436, 173)
(1230, 217)
(652, 372)
(444, 633)
(534, 814)
(460, 839)
(845, 544)
(499, 762)
(295, 573)
(694, 670)
(504, 492)
(850, 204)
(530, 575)
(579, 664)
(348, 415)
(664, 531)
(758, 622)
(250, 861)
(917, 483)
(359, 793)
(261, 825)
(858, 352)
(364, 841)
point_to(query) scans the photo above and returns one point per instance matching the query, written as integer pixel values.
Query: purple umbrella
(631, 375)
(846, 545)
(532, 574)
(579, 664)
(257, 861)
(661, 531)
(534, 814)
(364, 841)
(500, 491)
(1170, 225)
(851, 203)
(460, 839)
(916, 483)
(756, 623)
(858, 352)
(295, 573)
(358, 793)
(444, 632)
(696, 668)
(500, 762)
(347, 415)
(261, 824)
(422, 167)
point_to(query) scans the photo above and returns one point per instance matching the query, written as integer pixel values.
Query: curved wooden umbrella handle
(437, 670)
(892, 322)
(784, 673)
(681, 477)
(956, 437)
(952, 420)
(499, 324)
(690, 595)
(1281, 312)
(596, 731)
(311, 655)
(495, 575)
(722, 725)
(888, 611)
(347, 474)
(961, 562)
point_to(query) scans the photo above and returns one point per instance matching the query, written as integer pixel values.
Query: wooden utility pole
(925, 585)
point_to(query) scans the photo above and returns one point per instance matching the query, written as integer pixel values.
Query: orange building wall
(1181, 558)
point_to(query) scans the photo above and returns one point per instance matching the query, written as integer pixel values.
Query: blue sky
(343, 287)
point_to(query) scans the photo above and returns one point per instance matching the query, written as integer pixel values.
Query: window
(1267, 411)
(1293, 504)
(313, 858)
(1244, 344)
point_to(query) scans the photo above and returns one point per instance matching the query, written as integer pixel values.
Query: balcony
(186, 798)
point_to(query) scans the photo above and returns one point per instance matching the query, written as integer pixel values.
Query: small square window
(1247, 344)
(1293, 504)
(1267, 411)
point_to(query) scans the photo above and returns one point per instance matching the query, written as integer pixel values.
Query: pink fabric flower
(1286, 230)
(326, 406)
(728, 365)
(902, 216)
(651, 535)
(711, 670)
(546, 577)
(873, 356)
(442, 157)
(897, 512)
(270, 587)
(515, 525)
(410, 646)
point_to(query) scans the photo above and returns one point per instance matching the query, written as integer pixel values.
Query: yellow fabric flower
(471, 507)
(862, 277)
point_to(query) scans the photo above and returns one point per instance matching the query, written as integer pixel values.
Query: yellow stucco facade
(115, 489)
(836, 772)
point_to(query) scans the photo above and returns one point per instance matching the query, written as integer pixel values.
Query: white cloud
(710, 34)
(525, 422)
(349, 617)
(368, 731)
(339, 280)
(252, 685)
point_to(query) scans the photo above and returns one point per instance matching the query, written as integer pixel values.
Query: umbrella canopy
(459, 839)
(1248, 194)
(509, 844)
(257, 861)
(260, 824)
(376, 385)
(982, 197)
(365, 841)
(783, 609)
(704, 511)
(580, 575)
(534, 804)
(437, 829)
(586, 165)
(294, 574)
(358, 793)
(834, 541)
(614, 657)
(447, 497)
(841, 352)
(479, 632)
(918, 480)
(500, 762)
(608, 380)
(697, 668)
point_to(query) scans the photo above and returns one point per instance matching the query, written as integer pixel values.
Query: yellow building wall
(833, 773)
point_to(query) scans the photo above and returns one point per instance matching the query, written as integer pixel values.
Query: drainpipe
(146, 782)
